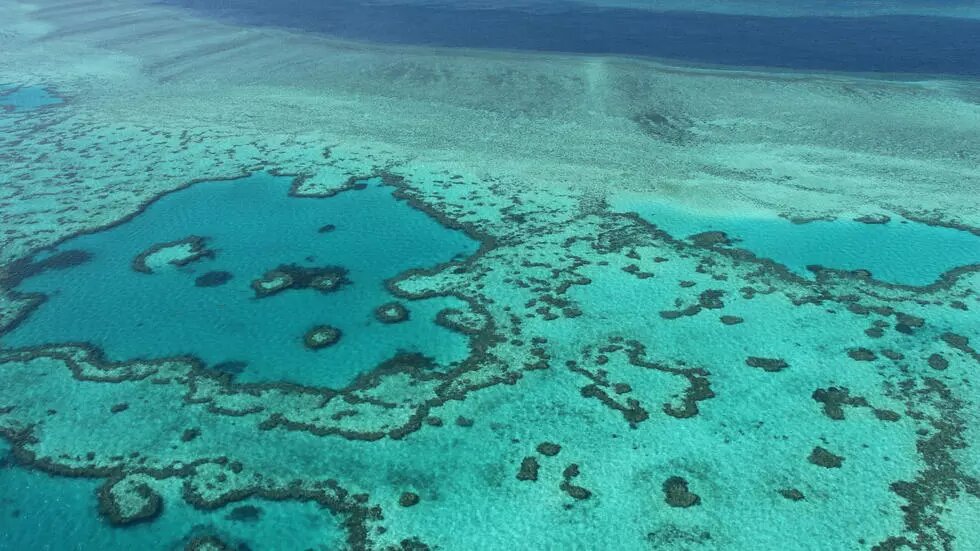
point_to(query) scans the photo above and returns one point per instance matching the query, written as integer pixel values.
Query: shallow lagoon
(25, 98)
(129, 314)
(899, 251)
(880, 379)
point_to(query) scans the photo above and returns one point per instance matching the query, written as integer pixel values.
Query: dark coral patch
(833, 400)
(824, 458)
(710, 239)
(321, 336)
(408, 499)
(873, 219)
(711, 299)
(213, 279)
(392, 312)
(576, 492)
(573, 490)
(125, 502)
(549, 449)
(792, 494)
(937, 362)
(528, 470)
(766, 364)
(291, 276)
(862, 355)
(198, 250)
(22, 269)
(207, 543)
(677, 494)
(245, 513)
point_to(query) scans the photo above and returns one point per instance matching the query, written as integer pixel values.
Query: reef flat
(572, 369)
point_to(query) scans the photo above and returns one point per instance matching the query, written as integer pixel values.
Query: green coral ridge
(571, 372)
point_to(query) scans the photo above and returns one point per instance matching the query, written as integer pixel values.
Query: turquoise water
(35, 508)
(253, 226)
(594, 384)
(899, 251)
(26, 98)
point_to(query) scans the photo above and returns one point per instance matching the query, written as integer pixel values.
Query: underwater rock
(768, 364)
(824, 458)
(464, 421)
(213, 279)
(529, 469)
(408, 499)
(321, 336)
(290, 276)
(676, 493)
(549, 449)
(180, 252)
(392, 312)
(129, 500)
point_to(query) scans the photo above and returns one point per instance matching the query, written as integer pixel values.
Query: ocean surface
(892, 43)
(405, 275)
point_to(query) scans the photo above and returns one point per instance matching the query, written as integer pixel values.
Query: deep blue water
(887, 44)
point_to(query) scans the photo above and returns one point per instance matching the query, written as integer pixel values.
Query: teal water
(253, 226)
(34, 507)
(899, 251)
(25, 98)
